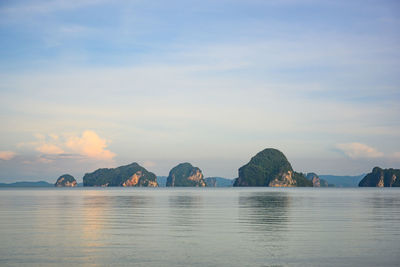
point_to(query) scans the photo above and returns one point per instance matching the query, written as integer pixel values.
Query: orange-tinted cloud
(6, 155)
(90, 145)
(49, 149)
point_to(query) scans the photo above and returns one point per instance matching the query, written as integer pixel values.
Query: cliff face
(65, 180)
(381, 178)
(316, 181)
(127, 176)
(283, 180)
(270, 168)
(185, 174)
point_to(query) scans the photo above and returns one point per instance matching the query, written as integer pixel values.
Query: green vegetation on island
(185, 174)
(270, 168)
(127, 176)
(381, 178)
(66, 180)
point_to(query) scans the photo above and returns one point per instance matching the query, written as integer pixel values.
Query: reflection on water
(265, 211)
(199, 227)
(184, 213)
(94, 206)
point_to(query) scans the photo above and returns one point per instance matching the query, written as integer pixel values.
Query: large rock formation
(270, 168)
(381, 178)
(66, 180)
(316, 181)
(127, 176)
(185, 174)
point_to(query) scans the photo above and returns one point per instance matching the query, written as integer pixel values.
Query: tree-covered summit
(270, 167)
(184, 174)
(128, 175)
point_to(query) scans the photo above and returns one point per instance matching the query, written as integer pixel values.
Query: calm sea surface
(200, 227)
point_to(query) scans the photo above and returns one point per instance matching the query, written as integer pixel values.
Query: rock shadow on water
(264, 211)
(184, 212)
(264, 222)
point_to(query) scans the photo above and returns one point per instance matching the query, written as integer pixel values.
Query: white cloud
(86, 146)
(358, 150)
(90, 145)
(6, 155)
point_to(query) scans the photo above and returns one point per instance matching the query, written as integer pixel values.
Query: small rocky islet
(317, 182)
(268, 168)
(66, 180)
(185, 175)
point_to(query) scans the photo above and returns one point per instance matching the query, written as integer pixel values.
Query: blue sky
(97, 83)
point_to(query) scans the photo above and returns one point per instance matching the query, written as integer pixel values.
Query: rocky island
(270, 168)
(127, 176)
(185, 174)
(316, 181)
(218, 182)
(66, 180)
(381, 178)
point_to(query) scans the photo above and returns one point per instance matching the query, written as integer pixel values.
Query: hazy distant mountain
(27, 184)
(162, 181)
(382, 178)
(218, 182)
(343, 181)
(270, 168)
(185, 174)
(127, 176)
(317, 182)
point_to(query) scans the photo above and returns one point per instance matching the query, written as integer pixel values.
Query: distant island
(185, 174)
(27, 184)
(132, 175)
(66, 180)
(381, 178)
(316, 181)
(270, 168)
(342, 181)
(218, 182)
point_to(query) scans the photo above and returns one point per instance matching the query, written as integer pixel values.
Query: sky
(97, 83)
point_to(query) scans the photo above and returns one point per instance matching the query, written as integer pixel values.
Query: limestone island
(66, 180)
(381, 178)
(270, 168)
(132, 175)
(185, 174)
(316, 181)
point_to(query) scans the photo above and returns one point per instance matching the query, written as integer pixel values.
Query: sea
(199, 227)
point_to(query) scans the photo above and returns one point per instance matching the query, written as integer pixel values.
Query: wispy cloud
(7, 155)
(49, 149)
(396, 155)
(358, 150)
(44, 6)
